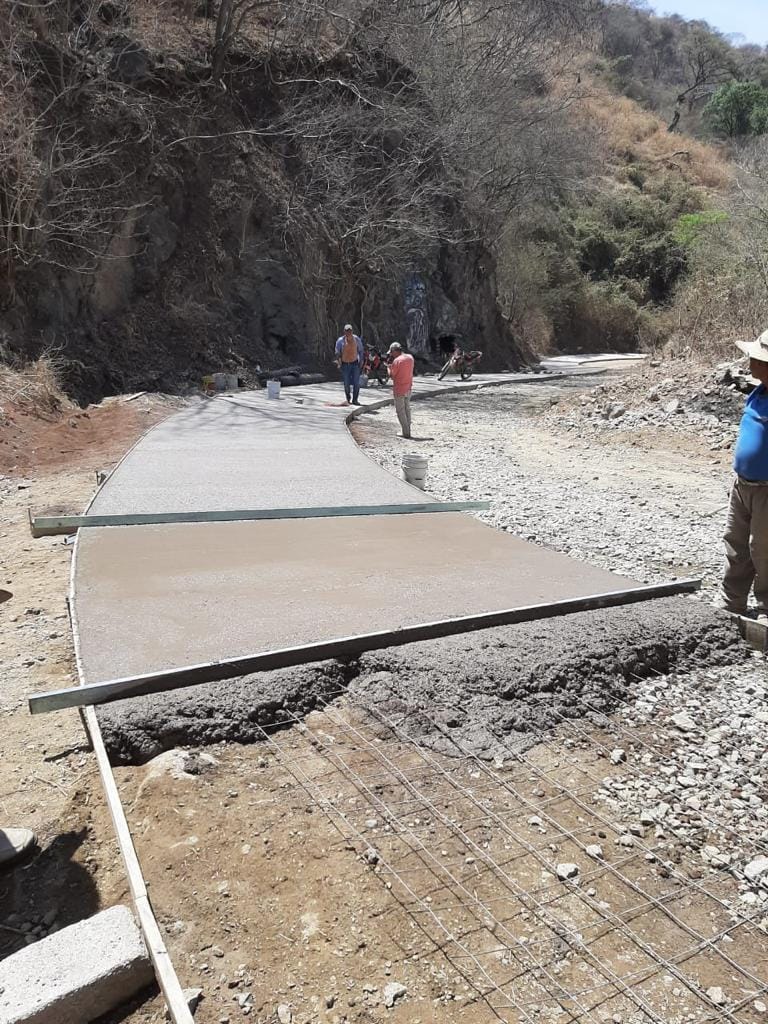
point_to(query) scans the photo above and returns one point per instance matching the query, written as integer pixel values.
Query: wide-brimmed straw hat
(757, 349)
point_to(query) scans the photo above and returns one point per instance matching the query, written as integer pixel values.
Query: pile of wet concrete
(474, 693)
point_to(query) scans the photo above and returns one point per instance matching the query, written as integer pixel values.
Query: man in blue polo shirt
(746, 532)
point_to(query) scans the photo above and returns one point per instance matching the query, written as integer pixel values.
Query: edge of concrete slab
(45, 983)
(165, 973)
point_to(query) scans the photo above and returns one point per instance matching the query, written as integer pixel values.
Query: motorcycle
(462, 362)
(376, 366)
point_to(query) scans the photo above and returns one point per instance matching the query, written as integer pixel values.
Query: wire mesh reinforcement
(472, 855)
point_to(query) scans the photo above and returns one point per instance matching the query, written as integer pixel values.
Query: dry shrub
(634, 135)
(34, 387)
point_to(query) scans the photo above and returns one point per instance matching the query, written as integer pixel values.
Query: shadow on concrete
(50, 881)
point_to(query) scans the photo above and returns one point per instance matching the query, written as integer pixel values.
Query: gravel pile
(697, 792)
(706, 403)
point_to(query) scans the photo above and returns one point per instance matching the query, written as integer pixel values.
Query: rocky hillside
(191, 186)
(182, 193)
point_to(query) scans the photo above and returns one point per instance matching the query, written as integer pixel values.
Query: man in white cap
(401, 372)
(746, 532)
(350, 355)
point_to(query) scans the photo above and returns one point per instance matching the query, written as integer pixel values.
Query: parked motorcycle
(376, 366)
(462, 362)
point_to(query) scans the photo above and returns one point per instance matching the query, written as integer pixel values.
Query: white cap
(348, 327)
(757, 349)
(395, 347)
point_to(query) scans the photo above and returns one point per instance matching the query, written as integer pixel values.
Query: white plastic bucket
(415, 470)
(273, 389)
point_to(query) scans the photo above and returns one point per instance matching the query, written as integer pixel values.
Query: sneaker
(14, 844)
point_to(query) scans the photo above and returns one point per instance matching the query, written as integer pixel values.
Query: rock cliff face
(195, 270)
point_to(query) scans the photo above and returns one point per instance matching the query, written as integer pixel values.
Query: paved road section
(157, 597)
(148, 598)
(248, 451)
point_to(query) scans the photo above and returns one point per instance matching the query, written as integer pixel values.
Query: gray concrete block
(77, 973)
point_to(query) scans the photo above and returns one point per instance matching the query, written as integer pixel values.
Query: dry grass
(34, 388)
(636, 136)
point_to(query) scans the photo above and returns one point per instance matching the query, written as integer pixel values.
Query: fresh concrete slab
(248, 451)
(158, 597)
(76, 974)
(483, 693)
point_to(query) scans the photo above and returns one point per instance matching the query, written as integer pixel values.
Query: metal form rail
(51, 526)
(165, 973)
(343, 647)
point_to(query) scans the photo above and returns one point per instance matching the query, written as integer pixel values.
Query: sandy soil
(50, 782)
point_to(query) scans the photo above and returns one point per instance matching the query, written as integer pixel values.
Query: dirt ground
(300, 877)
(50, 782)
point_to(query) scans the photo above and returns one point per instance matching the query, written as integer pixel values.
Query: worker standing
(746, 532)
(350, 356)
(401, 372)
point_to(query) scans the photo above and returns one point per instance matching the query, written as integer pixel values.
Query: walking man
(746, 532)
(401, 372)
(350, 355)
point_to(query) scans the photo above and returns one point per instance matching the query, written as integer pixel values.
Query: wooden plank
(167, 978)
(50, 526)
(343, 647)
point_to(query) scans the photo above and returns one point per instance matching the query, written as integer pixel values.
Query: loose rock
(393, 991)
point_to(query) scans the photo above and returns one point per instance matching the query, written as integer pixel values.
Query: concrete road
(149, 598)
(157, 597)
(246, 451)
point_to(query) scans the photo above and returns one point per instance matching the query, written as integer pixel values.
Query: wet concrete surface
(453, 695)
(247, 451)
(157, 597)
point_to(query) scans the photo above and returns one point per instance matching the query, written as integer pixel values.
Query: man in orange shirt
(401, 372)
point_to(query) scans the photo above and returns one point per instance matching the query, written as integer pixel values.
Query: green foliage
(737, 110)
(690, 227)
(669, 64)
(628, 239)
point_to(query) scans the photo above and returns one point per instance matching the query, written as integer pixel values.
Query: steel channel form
(51, 526)
(343, 647)
(165, 973)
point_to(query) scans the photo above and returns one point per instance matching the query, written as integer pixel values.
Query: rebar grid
(342, 825)
(411, 776)
(543, 775)
(702, 942)
(607, 823)
(431, 810)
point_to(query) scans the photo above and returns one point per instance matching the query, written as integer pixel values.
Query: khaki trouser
(746, 546)
(403, 410)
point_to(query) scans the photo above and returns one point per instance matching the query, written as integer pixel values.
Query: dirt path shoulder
(50, 782)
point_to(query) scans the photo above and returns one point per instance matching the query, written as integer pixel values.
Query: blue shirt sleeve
(339, 343)
(750, 458)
